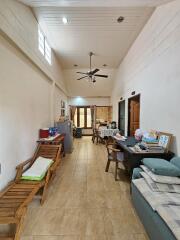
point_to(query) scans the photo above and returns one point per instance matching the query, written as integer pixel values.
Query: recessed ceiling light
(120, 19)
(64, 20)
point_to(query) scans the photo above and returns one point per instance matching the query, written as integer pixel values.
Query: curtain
(93, 116)
(73, 110)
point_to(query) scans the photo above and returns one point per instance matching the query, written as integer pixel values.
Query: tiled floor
(84, 202)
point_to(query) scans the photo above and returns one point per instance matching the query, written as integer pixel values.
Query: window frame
(85, 117)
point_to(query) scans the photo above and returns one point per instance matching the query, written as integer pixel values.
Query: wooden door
(121, 120)
(134, 116)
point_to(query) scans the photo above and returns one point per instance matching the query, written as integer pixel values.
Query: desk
(133, 159)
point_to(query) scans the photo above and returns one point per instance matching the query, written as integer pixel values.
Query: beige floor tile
(96, 199)
(113, 199)
(60, 222)
(94, 237)
(33, 215)
(121, 236)
(141, 236)
(84, 202)
(95, 222)
(27, 238)
(62, 237)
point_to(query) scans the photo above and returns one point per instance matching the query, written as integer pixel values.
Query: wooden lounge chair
(15, 198)
(46, 151)
(13, 205)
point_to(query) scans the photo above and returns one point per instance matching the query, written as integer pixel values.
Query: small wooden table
(133, 159)
(55, 140)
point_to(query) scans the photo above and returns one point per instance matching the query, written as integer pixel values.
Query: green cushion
(176, 161)
(161, 167)
(33, 178)
(38, 170)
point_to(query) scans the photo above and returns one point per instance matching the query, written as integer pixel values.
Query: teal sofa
(155, 227)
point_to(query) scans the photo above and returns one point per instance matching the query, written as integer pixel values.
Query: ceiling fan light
(64, 20)
(120, 19)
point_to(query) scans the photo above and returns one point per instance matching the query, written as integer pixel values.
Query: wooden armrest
(23, 163)
(113, 149)
(20, 168)
(54, 166)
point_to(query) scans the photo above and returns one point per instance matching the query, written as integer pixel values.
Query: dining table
(107, 132)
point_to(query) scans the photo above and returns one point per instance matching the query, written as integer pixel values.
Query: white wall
(83, 101)
(151, 68)
(25, 96)
(19, 24)
(29, 87)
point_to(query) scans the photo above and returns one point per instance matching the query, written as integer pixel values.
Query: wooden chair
(13, 205)
(95, 136)
(114, 155)
(43, 150)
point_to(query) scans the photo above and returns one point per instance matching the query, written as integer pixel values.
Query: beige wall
(85, 101)
(25, 96)
(151, 68)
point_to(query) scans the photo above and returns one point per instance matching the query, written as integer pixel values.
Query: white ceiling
(92, 29)
(102, 3)
(92, 26)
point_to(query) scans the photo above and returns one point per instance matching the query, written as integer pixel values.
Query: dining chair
(95, 136)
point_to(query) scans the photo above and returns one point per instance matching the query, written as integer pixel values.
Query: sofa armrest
(136, 173)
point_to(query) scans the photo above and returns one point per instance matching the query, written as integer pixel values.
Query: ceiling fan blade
(94, 71)
(81, 73)
(82, 78)
(100, 75)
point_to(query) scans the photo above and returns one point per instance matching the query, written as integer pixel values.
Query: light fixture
(75, 65)
(120, 19)
(94, 80)
(64, 20)
(104, 65)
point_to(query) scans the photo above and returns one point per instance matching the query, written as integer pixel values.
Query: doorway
(133, 114)
(121, 117)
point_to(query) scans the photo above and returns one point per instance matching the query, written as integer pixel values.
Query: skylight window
(44, 46)
(47, 52)
(41, 42)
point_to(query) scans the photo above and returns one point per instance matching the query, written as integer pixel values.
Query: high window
(44, 47)
(82, 117)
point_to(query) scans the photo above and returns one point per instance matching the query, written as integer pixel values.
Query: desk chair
(114, 155)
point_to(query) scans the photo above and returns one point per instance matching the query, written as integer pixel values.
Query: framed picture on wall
(165, 140)
(62, 112)
(62, 104)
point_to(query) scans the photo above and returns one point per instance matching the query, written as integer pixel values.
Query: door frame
(119, 110)
(129, 101)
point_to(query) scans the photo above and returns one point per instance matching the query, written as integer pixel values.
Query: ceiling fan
(91, 74)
